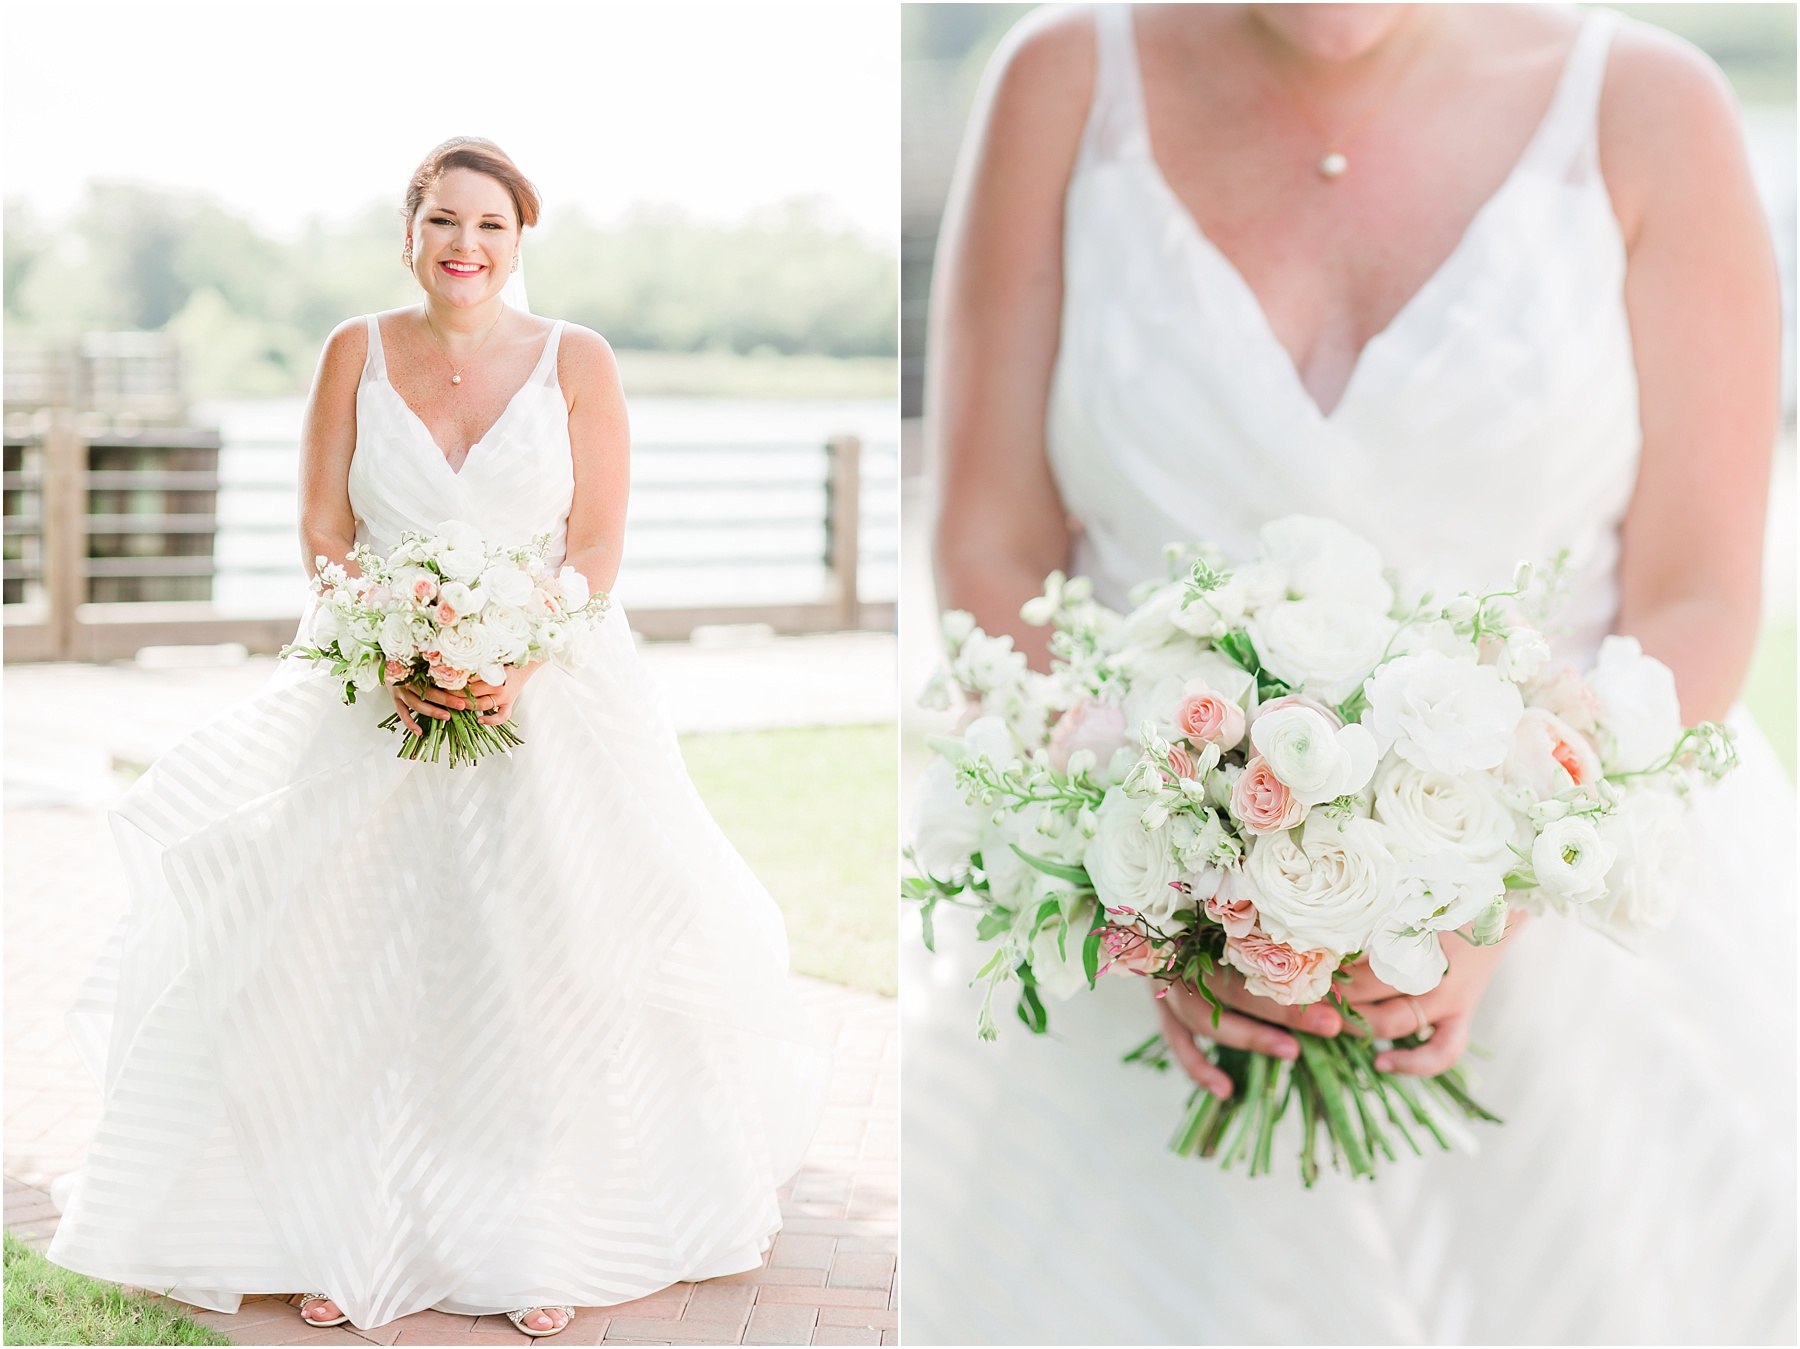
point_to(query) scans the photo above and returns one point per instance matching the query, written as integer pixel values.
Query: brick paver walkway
(829, 1278)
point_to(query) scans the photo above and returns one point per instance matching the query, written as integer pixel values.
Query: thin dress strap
(374, 364)
(545, 371)
(1567, 143)
(1116, 125)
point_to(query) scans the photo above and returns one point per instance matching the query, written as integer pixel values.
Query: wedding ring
(1425, 1028)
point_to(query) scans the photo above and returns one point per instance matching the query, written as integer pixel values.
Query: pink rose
(446, 678)
(1090, 725)
(445, 615)
(1208, 718)
(1235, 913)
(423, 589)
(1131, 952)
(1272, 969)
(1261, 802)
(1181, 763)
(398, 671)
(1301, 700)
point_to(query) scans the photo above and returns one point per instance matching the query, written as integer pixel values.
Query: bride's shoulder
(585, 361)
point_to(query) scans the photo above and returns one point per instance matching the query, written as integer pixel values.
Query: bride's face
(464, 238)
(1332, 32)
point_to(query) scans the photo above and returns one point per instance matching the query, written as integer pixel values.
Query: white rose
(1325, 646)
(396, 637)
(462, 600)
(1430, 898)
(1571, 860)
(460, 554)
(574, 587)
(1325, 561)
(1431, 815)
(506, 584)
(1315, 761)
(1133, 867)
(1452, 716)
(510, 632)
(464, 646)
(946, 828)
(1328, 890)
(1640, 715)
(1548, 756)
(325, 627)
(1056, 953)
(1650, 836)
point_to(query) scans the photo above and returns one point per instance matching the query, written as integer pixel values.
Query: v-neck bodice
(516, 482)
(1493, 419)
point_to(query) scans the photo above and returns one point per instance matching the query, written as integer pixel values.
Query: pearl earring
(406, 257)
(515, 265)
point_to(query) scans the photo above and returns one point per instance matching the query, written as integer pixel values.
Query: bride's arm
(995, 314)
(327, 443)
(600, 440)
(1704, 305)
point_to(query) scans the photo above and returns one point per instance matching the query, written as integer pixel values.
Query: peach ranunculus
(1564, 693)
(1272, 969)
(1261, 802)
(1129, 951)
(1091, 725)
(1209, 718)
(446, 678)
(1301, 700)
(1543, 748)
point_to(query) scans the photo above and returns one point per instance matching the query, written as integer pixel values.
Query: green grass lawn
(814, 812)
(46, 1304)
(1769, 689)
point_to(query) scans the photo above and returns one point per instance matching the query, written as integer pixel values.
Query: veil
(514, 293)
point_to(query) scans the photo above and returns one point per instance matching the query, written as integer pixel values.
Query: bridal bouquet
(1279, 769)
(442, 609)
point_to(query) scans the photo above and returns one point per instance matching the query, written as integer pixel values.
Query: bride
(514, 1038)
(1483, 283)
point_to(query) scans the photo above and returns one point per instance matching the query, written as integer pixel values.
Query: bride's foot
(318, 1310)
(541, 1321)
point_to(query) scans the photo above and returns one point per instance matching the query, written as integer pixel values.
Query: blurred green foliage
(252, 311)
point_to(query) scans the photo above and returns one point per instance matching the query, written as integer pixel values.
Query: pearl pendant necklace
(1332, 166)
(455, 370)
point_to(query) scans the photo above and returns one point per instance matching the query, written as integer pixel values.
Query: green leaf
(1237, 647)
(1090, 955)
(1031, 1008)
(927, 928)
(993, 923)
(1074, 875)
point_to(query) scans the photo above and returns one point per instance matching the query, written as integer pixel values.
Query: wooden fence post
(843, 505)
(64, 522)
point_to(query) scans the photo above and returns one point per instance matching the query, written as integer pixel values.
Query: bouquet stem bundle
(463, 736)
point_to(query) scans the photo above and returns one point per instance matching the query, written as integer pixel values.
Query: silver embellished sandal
(306, 1299)
(518, 1320)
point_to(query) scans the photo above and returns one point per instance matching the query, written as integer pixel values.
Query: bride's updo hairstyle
(483, 156)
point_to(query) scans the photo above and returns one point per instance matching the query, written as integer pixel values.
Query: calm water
(727, 502)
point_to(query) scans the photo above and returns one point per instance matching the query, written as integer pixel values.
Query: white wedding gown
(477, 1039)
(1642, 1187)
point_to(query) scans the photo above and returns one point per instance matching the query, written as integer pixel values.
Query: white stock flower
(460, 552)
(1438, 815)
(1315, 761)
(1325, 561)
(1133, 867)
(1325, 646)
(1571, 860)
(1325, 891)
(1652, 843)
(507, 584)
(1452, 716)
(574, 588)
(946, 828)
(1640, 715)
(1430, 898)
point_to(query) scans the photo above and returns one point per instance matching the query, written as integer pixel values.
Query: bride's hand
(1255, 1024)
(493, 701)
(496, 700)
(1447, 1009)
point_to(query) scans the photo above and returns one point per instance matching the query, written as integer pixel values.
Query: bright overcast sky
(290, 108)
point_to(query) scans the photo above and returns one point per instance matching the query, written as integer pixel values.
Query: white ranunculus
(1430, 899)
(396, 637)
(1315, 761)
(1431, 815)
(574, 588)
(1571, 860)
(506, 584)
(1451, 716)
(510, 632)
(946, 828)
(1133, 867)
(1326, 890)
(462, 599)
(1652, 843)
(464, 646)
(1548, 756)
(461, 553)
(1056, 953)
(1325, 561)
(1325, 646)
(1640, 715)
